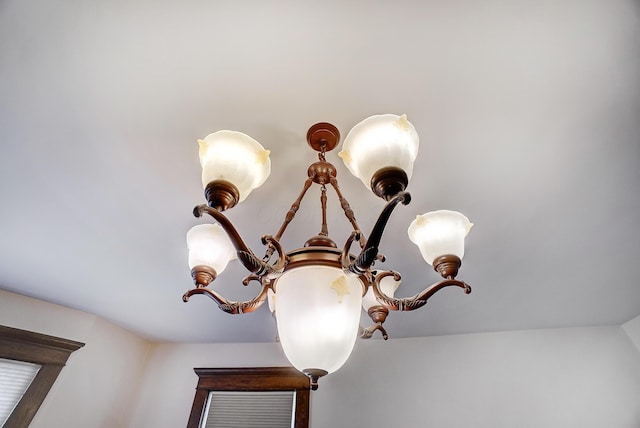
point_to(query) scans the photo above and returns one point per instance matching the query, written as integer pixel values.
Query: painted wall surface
(586, 377)
(169, 384)
(632, 328)
(580, 377)
(100, 381)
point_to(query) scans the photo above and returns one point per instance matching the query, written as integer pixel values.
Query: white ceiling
(528, 112)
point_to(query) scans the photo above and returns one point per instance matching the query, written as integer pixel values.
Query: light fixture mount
(447, 265)
(221, 195)
(316, 291)
(323, 137)
(388, 182)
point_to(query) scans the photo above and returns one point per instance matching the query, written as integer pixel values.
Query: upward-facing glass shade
(210, 246)
(388, 285)
(318, 312)
(381, 141)
(234, 157)
(438, 233)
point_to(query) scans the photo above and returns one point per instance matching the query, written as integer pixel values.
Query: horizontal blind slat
(15, 378)
(250, 409)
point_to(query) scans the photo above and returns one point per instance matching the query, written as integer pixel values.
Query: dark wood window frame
(251, 379)
(50, 352)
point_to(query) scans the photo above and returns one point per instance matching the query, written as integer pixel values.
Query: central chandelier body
(316, 291)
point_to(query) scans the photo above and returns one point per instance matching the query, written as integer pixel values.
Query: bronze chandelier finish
(388, 183)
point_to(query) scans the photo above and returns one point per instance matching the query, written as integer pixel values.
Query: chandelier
(315, 292)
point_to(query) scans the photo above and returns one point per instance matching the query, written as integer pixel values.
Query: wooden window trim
(251, 379)
(50, 352)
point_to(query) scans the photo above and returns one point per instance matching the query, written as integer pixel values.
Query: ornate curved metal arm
(345, 258)
(245, 255)
(232, 307)
(370, 251)
(417, 301)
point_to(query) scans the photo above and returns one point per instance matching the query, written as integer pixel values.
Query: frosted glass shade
(318, 311)
(271, 300)
(210, 246)
(378, 142)
(439, 233)
(234, 157)
(388, 286)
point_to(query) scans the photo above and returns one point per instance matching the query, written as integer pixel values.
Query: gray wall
(579, 377)
(582, 377)
(100, 381)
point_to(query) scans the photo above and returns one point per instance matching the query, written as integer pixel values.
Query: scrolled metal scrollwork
(345, 257)
(367, 333)
(245, 255)
(414, 302)
(229, 306)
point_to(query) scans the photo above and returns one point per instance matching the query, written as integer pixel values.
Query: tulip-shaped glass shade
(318, 311)
(234, 157)
(388, 285)
(209, 246)
(378, 142)
(439, 233)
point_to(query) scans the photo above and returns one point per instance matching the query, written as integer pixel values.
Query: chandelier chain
(323, 150)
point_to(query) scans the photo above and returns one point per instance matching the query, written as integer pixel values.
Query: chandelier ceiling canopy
(315, 292)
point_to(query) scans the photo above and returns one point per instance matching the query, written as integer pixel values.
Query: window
(45, 357)
(278, 396)
(15, 378)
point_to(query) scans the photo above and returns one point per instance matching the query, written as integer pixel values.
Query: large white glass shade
(318, 311)
(439, 233)
(378, 142)
(388, 285)
(235, 157)
(271, 300)
(210, 246)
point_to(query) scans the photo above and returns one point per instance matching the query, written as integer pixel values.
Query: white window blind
(235, 409)
(15, 378)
